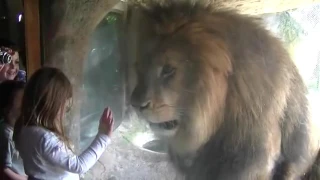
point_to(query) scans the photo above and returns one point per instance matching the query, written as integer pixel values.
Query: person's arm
(14, 176)
(55, 152)
(8, 163)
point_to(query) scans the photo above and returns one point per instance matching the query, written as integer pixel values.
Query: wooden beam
(253, 7)
(32, 35)
(263, 6)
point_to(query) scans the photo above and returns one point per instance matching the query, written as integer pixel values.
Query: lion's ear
(214, 52)
(165, 22)
(222, 57)
(230, 69)
(167, 28)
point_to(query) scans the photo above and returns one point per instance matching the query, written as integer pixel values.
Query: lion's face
(181, 88)
(164, 89)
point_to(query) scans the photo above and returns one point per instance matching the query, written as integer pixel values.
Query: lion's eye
(167, 71)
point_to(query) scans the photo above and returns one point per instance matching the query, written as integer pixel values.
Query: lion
(224, 95)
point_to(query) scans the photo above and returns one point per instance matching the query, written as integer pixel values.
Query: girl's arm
(14, 176)
(55, 151)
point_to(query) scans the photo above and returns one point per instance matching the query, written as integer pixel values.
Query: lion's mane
(250, 116)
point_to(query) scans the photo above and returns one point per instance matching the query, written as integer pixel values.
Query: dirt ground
(124, 161)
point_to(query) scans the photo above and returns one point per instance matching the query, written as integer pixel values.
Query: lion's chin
(167, 128)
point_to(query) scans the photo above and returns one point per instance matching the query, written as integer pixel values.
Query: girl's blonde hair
(44, 100)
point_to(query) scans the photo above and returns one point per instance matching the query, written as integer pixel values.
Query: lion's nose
(142, 105)
(145, 105)
(140, 98)
(140, 101)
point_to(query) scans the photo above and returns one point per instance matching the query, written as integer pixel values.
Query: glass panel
(135, 153)
(103, 83)
(300, 30)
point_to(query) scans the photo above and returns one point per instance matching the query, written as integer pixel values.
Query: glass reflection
(102, 78)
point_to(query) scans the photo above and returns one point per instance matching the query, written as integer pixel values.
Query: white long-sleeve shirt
(46, 157)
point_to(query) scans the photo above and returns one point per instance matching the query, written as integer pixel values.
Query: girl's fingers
(109, 113)
(104, 114)
(112, 124)
(107, 116)
(110, 121)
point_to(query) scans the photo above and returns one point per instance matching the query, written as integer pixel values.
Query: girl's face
(65, 109)
(68, 105)
(10, 71)
(15, 110)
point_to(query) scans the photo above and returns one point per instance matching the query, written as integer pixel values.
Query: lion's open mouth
(169, 125)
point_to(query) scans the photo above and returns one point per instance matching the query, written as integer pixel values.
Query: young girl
(39, 133)
(10, 100)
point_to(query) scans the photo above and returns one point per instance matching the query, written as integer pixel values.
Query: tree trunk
(69, 26)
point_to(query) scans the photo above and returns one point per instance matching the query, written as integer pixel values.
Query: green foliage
(112, 17)
(314, 83)
(290, 30)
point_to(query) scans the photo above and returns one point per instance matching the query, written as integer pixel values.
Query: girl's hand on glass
(106, 122)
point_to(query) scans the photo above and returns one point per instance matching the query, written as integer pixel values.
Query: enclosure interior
(135, 153)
